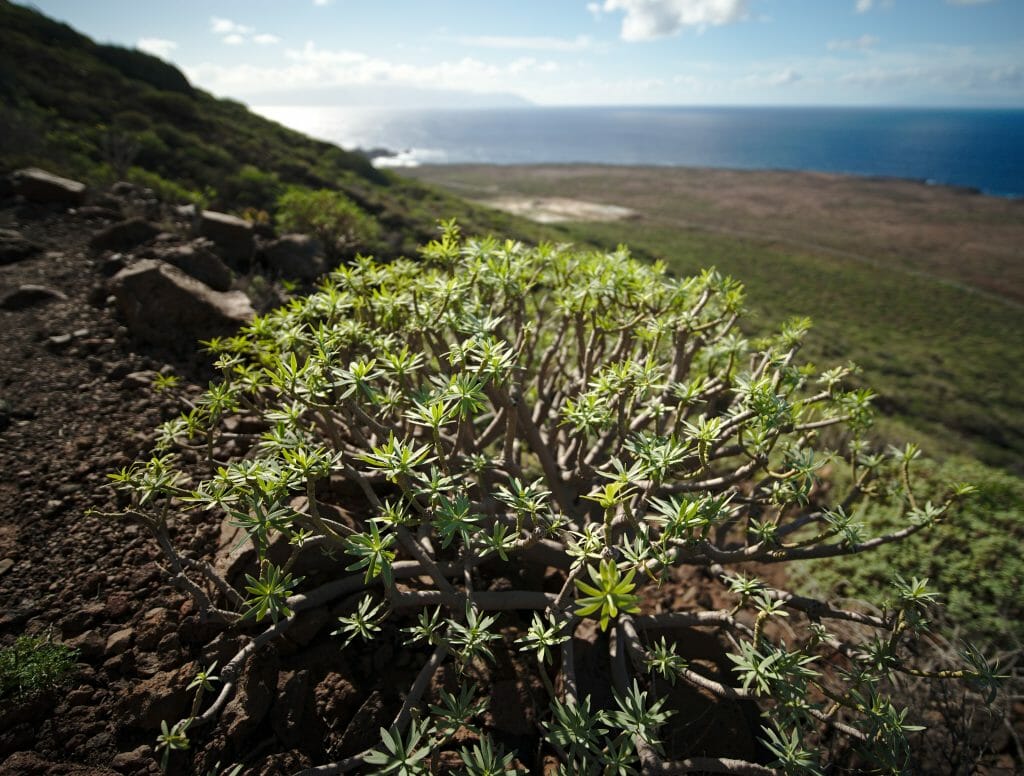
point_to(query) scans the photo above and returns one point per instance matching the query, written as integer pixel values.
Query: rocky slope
(77, 402)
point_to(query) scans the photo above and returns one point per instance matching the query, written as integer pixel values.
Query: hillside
(920, 285)
(82, 390)
(103, 113)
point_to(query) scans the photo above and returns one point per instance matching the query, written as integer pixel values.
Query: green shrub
(251, 187)
(131, 121)
(172, 106)
(33, 664)
(330, 216)
(151, 151)
(167, 190)
(506, 410)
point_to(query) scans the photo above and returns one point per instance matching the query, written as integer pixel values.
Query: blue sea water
(982, 149)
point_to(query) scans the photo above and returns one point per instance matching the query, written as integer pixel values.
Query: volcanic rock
(163, 305)
(294, 256)
(232, 236)
(199, 261)
(29, 295)
(42, 186)
(14, 247)
(124, 236)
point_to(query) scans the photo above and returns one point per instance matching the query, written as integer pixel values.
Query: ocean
(980, 149)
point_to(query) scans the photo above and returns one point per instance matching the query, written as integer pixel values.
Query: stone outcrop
(124, 236)
(164, 306)
(14, 247)
(294, 256)
(42, 186)
(232, 236)
(29, 295)
(198, 260)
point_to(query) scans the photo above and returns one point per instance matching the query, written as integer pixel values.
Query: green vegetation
(940, 353)
(100, 113)
(944, 375)
(501, 406)
(348, 387)
(973, 560)
(330, 216)
(33, 664)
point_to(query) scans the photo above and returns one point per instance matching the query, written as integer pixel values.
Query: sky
(418, 53)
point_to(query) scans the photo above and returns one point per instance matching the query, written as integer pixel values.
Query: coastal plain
(921, 285)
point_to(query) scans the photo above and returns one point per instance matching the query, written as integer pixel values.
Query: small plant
(33, 664)
(500, 406)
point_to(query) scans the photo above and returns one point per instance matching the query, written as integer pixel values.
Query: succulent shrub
(498, 405)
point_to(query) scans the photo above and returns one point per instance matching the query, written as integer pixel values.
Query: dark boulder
(124, 236)
(99, 213)
(41, 186)
(26, 296)
(164, 306)
(294, 256)
(14, 247)
(199, 261)
(233, 237)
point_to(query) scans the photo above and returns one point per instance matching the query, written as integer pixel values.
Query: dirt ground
(556, 210)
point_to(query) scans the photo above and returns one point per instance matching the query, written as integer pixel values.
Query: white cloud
(220, 26)
(783, 77)
(313, 67)
(322, 2)
(579, 43)
(1012, 75)
(234, 34)
(156, 46)
(965, 77)
(863, 6)
(647, 19)
(775, 78)
(854, 44)
(311, 55)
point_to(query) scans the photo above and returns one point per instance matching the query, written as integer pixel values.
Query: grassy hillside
(103, 113)
(935, 320)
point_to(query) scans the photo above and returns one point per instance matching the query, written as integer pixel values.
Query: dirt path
(75, 404)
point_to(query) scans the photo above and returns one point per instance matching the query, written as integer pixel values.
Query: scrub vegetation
(500, 406)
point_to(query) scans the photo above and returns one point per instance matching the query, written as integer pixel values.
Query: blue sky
(574, 52)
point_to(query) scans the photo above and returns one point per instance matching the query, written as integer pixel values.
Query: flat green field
(923, 286)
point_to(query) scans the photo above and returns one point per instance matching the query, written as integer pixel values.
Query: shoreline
(970, 148)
